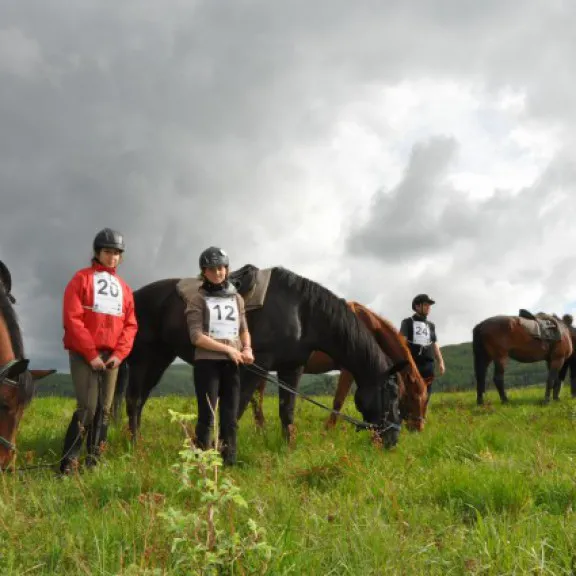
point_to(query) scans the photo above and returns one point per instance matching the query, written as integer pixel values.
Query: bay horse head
(412, 388)
(16, 381)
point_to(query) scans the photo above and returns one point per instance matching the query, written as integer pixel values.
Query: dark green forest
(177, 380)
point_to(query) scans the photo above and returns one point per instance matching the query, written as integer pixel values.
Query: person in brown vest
(218, 329)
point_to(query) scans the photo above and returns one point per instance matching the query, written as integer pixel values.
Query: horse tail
(481, 358)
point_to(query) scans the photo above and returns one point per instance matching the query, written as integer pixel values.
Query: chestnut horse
(501, 337)
(16, 381)
(413, 390)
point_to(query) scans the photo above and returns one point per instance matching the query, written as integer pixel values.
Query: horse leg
(573, 376)
(499, 366)
(554, 378)
(344, 384)
(290, 377)
(481, 362)
(257, 403)
(144, 374)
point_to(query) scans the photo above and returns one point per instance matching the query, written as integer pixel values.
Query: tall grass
(483, 490)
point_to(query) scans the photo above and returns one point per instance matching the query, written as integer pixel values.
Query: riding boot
(228, 450)
(95, 450)
(93, 439)
(72, 446)
(203, 436)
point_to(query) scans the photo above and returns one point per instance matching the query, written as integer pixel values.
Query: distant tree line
(178, 380)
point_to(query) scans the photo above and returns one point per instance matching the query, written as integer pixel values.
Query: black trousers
(217, 381)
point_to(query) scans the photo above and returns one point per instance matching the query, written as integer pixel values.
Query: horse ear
(39, 374)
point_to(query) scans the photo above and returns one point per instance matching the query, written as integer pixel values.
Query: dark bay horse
(298, 316)
(501, 337)
(412, 388)
(16, 381)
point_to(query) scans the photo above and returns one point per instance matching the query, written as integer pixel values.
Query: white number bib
(223, 320)
(107, 294)
(421, 333)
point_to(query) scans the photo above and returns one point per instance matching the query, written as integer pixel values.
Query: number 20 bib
(421, 334)
(107, 294)
(223, 320)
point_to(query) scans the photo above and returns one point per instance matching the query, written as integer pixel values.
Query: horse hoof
(546, 401)
(505, 400)
(330, 424)
(479, 401)
(290, 435)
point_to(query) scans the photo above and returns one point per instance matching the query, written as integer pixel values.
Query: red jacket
(106, 322)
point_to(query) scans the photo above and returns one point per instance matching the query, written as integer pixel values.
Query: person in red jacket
(99, 330)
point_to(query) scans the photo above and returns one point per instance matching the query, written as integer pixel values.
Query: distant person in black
(422, 341)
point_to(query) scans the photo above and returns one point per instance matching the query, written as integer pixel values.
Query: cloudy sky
(382, 148)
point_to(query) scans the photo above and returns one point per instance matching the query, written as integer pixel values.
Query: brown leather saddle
(541, 326)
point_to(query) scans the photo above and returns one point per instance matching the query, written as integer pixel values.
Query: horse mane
(390, 332)
(335, 318)
(7, 312)
(26, 387)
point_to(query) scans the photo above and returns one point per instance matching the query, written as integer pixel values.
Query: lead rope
(360, 424)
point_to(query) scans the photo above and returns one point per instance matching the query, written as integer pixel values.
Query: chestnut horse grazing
(525, 338)
(412, 391)
(16, 381)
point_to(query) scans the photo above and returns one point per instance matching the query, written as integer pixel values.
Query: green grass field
(487, 490)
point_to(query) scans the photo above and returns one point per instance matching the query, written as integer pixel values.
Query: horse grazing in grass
(16, 381)
(412, 386)
(525, 338)
(298, 316)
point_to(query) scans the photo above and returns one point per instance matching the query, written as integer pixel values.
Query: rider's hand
(113, 362)
(235, 355)
(97, 364)
(247, 355)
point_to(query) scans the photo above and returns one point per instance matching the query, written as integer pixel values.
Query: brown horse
(501, 337)
(16, 381)
(413, 391)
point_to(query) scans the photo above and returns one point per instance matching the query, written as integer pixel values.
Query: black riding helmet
(212, 257)
(108, 238)
(421, 299)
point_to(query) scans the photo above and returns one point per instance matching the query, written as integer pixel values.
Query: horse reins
(360, 424)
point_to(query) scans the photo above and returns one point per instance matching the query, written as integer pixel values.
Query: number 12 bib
(107, 294)
(421, 333)
(223, 318)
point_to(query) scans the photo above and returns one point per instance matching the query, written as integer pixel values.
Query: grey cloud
(168, 120)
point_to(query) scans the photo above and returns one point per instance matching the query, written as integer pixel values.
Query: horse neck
(392, 343)
(6, 349)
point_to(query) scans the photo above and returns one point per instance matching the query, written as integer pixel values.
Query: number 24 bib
(107, 294)
(421, 334)
(223, 318)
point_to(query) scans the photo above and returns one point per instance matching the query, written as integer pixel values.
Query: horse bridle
(6, 381)
(4, 441)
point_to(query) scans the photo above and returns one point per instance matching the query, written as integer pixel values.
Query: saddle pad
(253, 300)
(545, 329)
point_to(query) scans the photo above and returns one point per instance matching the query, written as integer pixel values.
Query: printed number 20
(108, 289)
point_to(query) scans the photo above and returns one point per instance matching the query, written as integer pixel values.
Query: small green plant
(211, 539)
